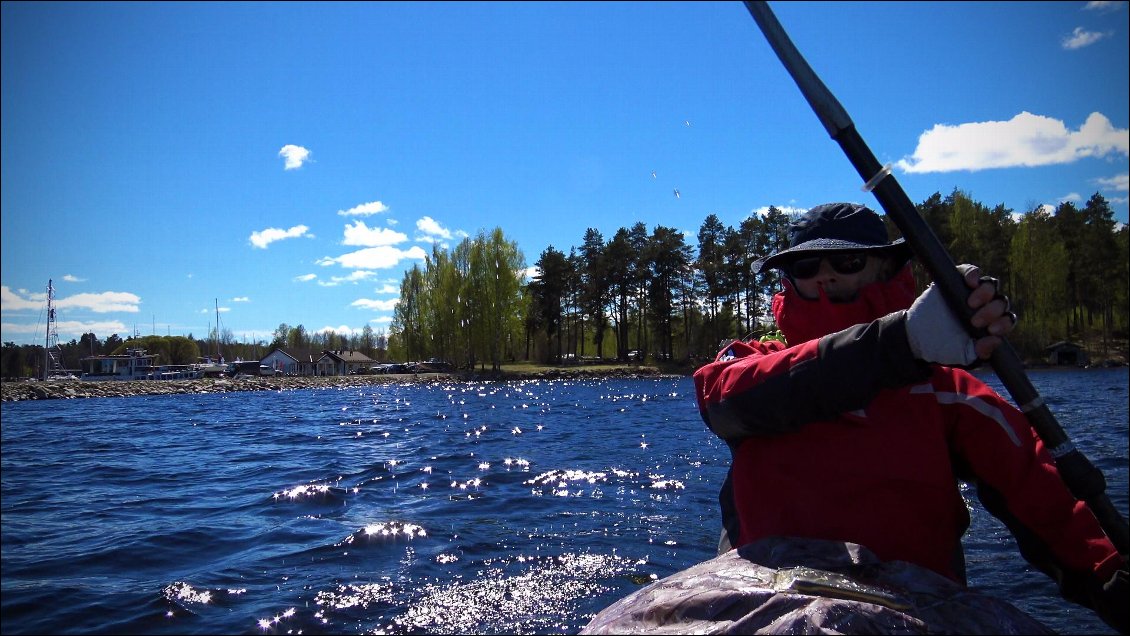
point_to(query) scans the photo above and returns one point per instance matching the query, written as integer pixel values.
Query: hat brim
(897, 247)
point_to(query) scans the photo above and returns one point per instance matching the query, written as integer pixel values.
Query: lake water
(521, 507)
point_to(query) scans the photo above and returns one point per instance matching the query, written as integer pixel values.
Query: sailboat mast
(217, 329)
(50, 325)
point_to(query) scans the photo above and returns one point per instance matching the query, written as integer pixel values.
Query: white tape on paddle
(879, 176)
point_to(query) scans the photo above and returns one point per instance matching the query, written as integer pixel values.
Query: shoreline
(76, 389)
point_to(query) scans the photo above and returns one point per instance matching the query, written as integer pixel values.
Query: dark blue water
(523, 507)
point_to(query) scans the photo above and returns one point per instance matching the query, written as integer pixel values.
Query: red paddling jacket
(846, 436)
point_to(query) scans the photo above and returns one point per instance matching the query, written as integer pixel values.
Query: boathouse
(1067, 353)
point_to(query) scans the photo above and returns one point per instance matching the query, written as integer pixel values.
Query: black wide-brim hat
(836, 227)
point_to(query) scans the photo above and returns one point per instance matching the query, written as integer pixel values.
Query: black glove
(1112, 602)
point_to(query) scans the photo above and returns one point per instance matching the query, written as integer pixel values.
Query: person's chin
(837, 299)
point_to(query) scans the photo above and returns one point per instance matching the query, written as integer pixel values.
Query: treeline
(650, 294)
(18, 361)
(1066, 271)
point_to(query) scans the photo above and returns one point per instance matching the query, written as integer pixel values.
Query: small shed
(1067, 353)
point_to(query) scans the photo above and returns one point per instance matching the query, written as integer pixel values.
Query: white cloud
(381, 257)
(294, 156)
(73, 279)
(388, 288)
(241, 299)
(21, 300)
(265, 237)
(13, 301)
(1104, 6)
(343, 330)
(1118, 183)
(101, 303)
(15, 327)
(381, 320)
(375, 305)
(353, 277)
(432, 229)
(75, 327)
(69, 329)
(305, 278)
(1025, 140)
(1080, 38)
(362, 235)
(365, 209)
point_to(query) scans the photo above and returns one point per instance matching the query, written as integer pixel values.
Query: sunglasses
(849, 263)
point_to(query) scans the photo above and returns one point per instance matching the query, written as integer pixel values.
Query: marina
(135, 364)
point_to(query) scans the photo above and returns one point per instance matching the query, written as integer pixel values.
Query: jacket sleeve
(1018, 482)
(756, 389)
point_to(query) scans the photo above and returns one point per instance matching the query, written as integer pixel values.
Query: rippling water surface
(522, 507)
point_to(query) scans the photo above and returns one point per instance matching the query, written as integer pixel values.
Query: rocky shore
(30, 390)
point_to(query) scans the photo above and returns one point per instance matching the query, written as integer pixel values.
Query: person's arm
(1018, 483)
(761, 389)
(766, 390)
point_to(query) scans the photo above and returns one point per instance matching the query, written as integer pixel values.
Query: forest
(652, 295)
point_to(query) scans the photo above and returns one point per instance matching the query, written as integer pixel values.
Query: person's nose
(826, 272)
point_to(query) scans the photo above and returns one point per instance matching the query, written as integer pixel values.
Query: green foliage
(182, 350)
(462, 307)
(407, 322)
(1067, 275)
(547, 297)
(1066, 272)
(168, 349)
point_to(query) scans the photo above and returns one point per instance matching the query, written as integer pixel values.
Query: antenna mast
(53, 355)
(217, 329)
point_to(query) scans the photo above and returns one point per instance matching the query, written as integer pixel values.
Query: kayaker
(862, 427)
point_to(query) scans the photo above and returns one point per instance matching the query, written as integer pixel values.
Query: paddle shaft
(1083, 479)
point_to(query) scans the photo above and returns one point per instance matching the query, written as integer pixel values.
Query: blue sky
(288, 161)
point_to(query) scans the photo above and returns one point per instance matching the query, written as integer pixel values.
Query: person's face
(841, 275)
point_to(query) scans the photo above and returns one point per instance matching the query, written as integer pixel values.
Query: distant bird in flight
(652, 174)
(676, 193)
(687, 123)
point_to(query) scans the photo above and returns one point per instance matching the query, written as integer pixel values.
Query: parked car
(252, 368)
(435, 365)
(392, 367)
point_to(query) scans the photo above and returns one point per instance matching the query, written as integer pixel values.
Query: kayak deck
(804, 586)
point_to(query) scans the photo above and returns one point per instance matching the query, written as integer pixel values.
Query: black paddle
(1083, 479)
